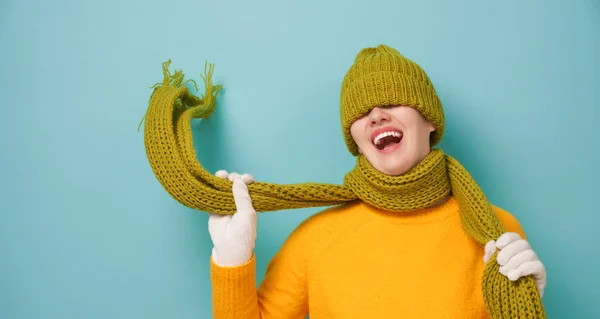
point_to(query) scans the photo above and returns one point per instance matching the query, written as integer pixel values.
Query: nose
(378, 116)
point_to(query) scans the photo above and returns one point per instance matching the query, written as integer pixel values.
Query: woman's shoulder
(510, 222)
(331, 220)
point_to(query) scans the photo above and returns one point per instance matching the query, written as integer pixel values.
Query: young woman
(419, 241)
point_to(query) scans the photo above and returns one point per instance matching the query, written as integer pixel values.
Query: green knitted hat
(381, 76)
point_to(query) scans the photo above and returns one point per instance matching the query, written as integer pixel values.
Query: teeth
(384, 134)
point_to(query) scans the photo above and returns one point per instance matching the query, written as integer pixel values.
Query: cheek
(357, 132)
(419, 141)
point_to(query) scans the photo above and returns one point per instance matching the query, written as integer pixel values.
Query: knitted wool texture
(170, 151)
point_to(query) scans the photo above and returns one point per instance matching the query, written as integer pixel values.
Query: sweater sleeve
(282, 294)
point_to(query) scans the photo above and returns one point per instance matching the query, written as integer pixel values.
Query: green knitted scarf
(170, 151)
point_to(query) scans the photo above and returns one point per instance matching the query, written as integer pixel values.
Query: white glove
(516, 259)
(234, 236)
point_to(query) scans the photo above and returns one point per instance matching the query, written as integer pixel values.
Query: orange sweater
(356, 261)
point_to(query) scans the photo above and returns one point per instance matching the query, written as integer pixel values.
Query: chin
(394, 171)
(393, 168)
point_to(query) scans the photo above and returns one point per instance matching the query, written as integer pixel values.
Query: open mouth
(387, 140)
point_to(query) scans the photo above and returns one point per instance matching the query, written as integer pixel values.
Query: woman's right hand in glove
(234, 236)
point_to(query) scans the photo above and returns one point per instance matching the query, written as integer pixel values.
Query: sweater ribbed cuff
(234, 289)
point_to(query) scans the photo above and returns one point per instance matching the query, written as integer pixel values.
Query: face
(393, 139)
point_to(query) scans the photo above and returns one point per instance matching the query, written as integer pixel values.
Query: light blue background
(86, 231)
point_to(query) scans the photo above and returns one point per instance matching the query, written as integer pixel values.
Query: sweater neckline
(444, 210)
